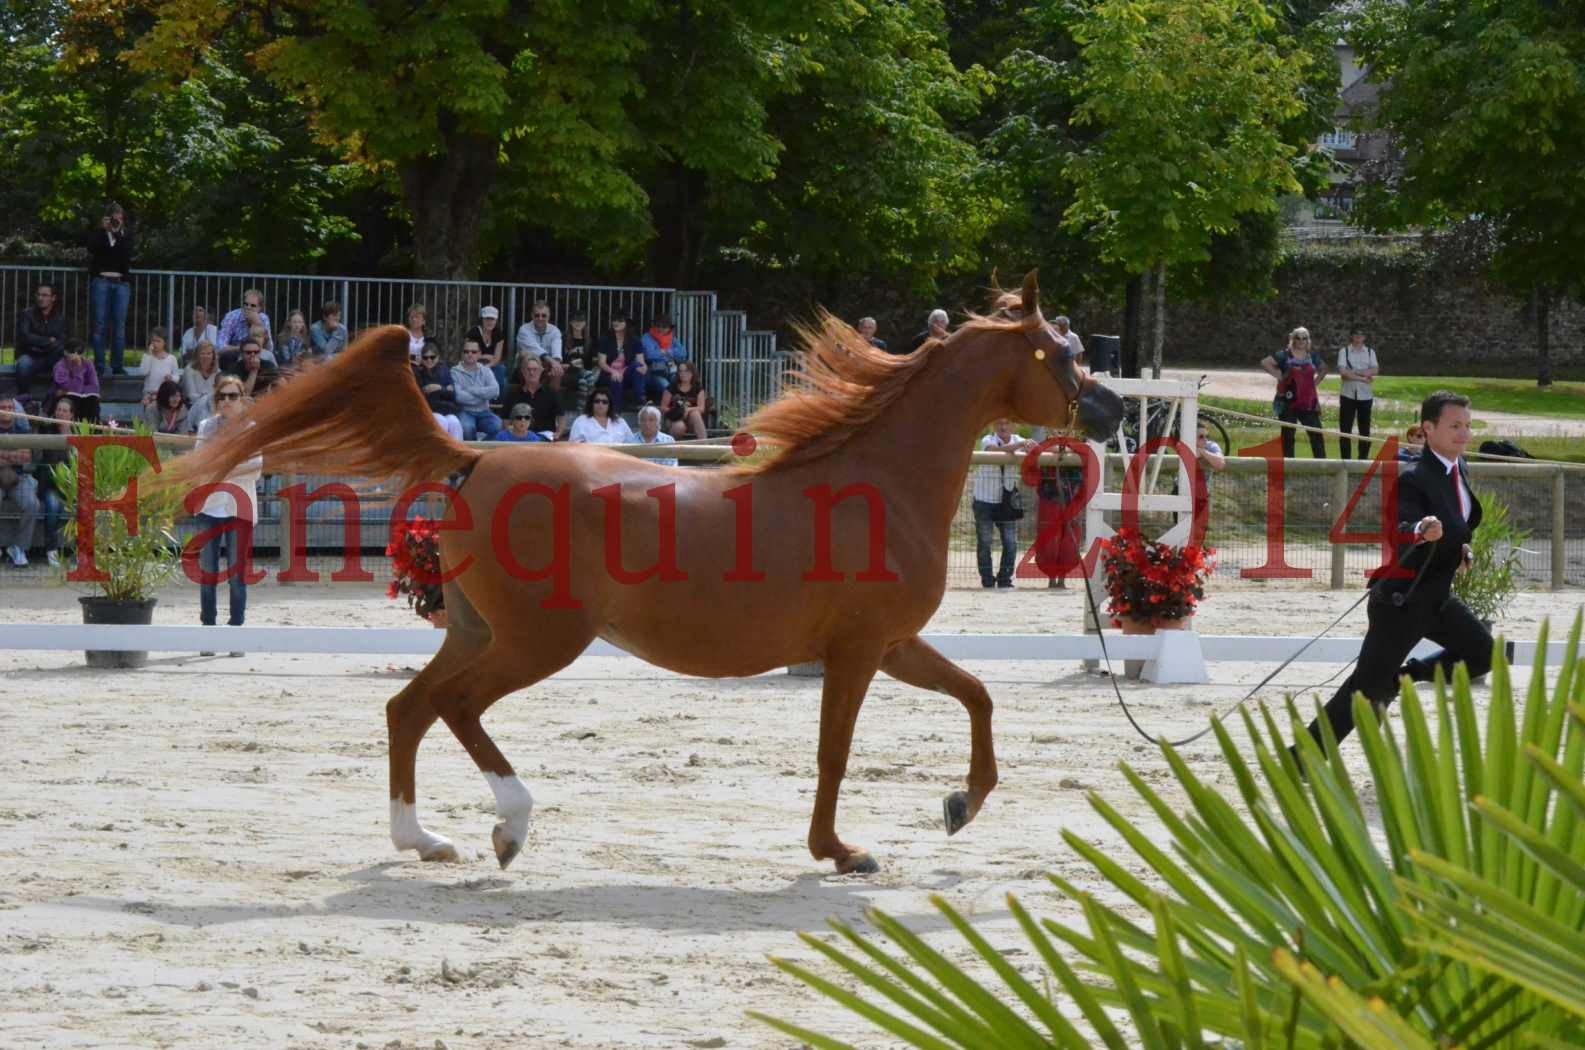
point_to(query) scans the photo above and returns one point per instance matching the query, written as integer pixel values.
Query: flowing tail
(361, 414)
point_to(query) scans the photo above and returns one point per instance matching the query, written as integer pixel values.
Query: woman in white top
(198, 378)
(1356, 363)
(417, 331)
(201, 332)
(229, 514)
(158, 365)
(597, 426)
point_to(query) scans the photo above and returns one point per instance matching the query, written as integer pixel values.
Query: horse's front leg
(914, 662)
(847, 679)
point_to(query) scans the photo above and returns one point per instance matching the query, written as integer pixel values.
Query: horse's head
(1048, 386)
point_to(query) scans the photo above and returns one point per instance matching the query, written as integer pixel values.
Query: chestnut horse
(717, 573)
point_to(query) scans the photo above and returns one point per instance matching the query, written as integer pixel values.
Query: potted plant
(1152, 586)
(135, 562)
(415, 568)
(1488, 586)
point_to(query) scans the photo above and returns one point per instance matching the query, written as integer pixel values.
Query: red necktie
(1458, 488)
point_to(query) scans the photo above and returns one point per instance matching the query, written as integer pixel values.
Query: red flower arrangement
(1153, 581)
(415, 568)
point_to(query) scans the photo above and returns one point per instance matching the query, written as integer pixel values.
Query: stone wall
(1418, 319)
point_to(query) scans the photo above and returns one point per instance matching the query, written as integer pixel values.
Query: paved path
(1253, 384)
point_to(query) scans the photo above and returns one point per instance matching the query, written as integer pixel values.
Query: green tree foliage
(215, 170)
(1190, 102)
(1485, 105)
(873, 180)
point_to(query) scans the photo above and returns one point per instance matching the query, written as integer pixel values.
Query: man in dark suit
(1414, 599)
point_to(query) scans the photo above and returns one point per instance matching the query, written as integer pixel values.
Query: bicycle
(1156, 416)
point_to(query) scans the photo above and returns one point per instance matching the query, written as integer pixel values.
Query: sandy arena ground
(196, 854)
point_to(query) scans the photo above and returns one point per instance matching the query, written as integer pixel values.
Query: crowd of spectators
(554, 379)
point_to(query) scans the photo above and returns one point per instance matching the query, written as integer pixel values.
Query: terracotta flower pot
(1133, 625)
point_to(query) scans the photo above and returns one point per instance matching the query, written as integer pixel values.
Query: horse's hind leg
(464, 697)
(408, 716)
(915, 662)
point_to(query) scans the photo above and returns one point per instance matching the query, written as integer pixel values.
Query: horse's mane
(841, 383)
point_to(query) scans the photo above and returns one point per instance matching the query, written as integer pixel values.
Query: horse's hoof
(442, 852)
(858, 863)
(955, 812)
(506, 847)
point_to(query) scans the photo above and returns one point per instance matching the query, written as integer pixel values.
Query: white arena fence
(1547, 500)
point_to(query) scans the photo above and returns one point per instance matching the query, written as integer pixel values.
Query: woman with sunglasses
(434, 379)
(227, 517)
(597, 425)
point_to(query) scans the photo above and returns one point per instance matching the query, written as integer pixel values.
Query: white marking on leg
(513, 804)
(408, 833)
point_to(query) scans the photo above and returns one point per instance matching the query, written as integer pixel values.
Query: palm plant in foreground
(1287, 923)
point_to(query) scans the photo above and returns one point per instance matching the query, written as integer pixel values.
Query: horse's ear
(1031, 293)
(996, 285)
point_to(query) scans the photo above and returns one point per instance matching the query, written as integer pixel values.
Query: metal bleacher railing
(740, 368)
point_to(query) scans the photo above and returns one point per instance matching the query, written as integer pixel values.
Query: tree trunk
(1161, 321)
(1543, 336)
(675, 252)
(445, 196)
(1133, 321)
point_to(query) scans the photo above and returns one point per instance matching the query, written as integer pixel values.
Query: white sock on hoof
(408, 833)
(513, 804)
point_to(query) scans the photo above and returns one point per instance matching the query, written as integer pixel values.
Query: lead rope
(1117, 690)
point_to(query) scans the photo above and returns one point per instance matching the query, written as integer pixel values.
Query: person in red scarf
(1298, 374)
(663, 351)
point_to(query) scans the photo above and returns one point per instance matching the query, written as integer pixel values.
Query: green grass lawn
(1521, 396)
(1391, 418)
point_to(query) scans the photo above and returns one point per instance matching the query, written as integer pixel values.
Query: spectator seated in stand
(520, 425)
(52, 504)
(684, 404)
(582, 366)
(328, 334)
(474, 387)
(256, 374)
(76, 378)
(238, 324)
(417, 331)
(619, 350)
(18, 489)
(543, 338)
(159, 365)
(492, 343)
(663, 351)
(434, 381)
(166, 414)
(41, 337)
(936, 326)
(867, 328)
(201, 332)
(292, 342)
(198, 378)
(528, 388)
(597, 426)
(650, 433)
